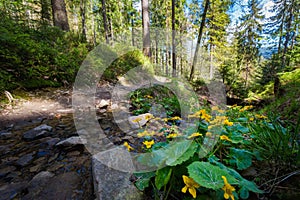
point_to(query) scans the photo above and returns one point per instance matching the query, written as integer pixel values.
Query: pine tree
(248, 41)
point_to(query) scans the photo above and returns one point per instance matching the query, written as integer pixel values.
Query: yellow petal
(184, 189)
(192, 191)
(226, 196)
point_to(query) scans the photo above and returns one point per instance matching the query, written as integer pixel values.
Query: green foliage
(208, 175)
(143, 99)
(274, 142)
(35, 58)
(183, 155)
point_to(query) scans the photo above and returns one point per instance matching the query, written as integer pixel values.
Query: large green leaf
(241, 157)
(192, 148)
(208, 175)
(171, 155)
(162, 177)
(143, 179)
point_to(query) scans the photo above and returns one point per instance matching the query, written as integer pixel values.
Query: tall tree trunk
(45, 12)
(60, 17)
(173, 40)
(132, 28)
(146, 28)
(104, 16)
(93, 23)
(82, 13)
(199, 39)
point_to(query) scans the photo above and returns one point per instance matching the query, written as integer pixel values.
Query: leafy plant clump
(35, 58)
(207, 161)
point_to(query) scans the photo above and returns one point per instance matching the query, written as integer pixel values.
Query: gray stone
(110, 183)
(61, 186)
(43, 127)
(38, 132)
(32, 134)
(5, 135)
(11, 191)
(72, 141)
(103, 103)
(39, 180)
(25, 160)
(51, 142)
(140, 120)
(4, 171)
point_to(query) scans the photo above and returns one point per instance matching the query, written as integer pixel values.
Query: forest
(202, 96)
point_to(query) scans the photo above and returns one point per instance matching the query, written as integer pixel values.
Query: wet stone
(5, 135)
(11, 191)
(72, 141)
(25, 160)
(6, 170)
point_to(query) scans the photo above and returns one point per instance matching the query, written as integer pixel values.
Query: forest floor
(38, 159)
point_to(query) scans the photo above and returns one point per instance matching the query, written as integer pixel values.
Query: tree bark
(46, 18)
(82, 13)
(104, 16)
(199, 39)
(173, 40)
(146, 28)
(60, 17)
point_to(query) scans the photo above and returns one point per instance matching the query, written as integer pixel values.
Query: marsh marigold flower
(195, 135)
(136, 120)
(228, 189)
(148, 144)
(225, 137)
(172, 135)
(129, 148)
(190, 185)
(228, 123)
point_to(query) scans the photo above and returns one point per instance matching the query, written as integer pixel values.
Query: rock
(73, 153)
(50, 187)
(110, 183)
(6, 170)
(51, 142)
(5, 135)
(31, 135)
(11, 191)
(72, 141)
(43, 127)
(66, 111)
(103, 103)
(38, 132)
(25, 160)
(39, 180)
(140, 120)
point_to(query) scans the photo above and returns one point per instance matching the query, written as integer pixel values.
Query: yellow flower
(149, 116)
(208, 134)
(129, 148)
(224, 137)
(148, 144)
(145, 133)
(251, 119)
(172, 135)
(260, 116)
(228, 189)
(191, 185)
(195, 135)
(175, 118)
(148, 96)
(136, 120)
(246, 108)
(228, 123)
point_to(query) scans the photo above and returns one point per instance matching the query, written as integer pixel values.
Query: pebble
(25, 160)
(72, 141)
